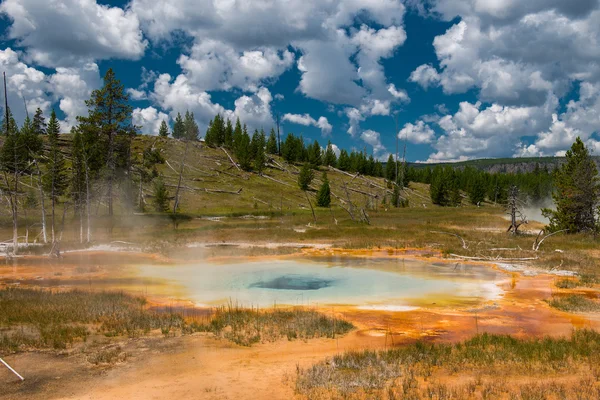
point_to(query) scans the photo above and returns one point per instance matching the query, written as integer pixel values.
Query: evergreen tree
(577, 192)
(396, 196)
(477, 190)
(215, 136)
(306, 176)
(160, 196)
(163, 131)
(109, 114)
(272, 143)
(314, 154)
(330, 158)
(9, 127)
(288, 148)
(344, 162)
(237, 134)
(39, 122)
(243, 151)
(254, 144)
(190, 127)
(228, 141)
(324, 193)
(378, 169)
(21, 148)
(438, 189)
(55, 181)
(260, 159)
(178, 127)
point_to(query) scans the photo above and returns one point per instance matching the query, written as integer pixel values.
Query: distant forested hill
(505, 165)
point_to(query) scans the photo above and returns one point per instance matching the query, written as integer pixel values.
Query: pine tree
(254, 144)
(55, 181)
(477, 190)
(288, 148)
(228, 142)
(396, 196)
(39, 122)
(243, 151)
(272, 143)
(330, 159)
(160, 195)
(9, 127)
(577, 193)
(178, 127)
(344, 162)
(215, 135)
(237, 134)
(109, 114)
(163, 131)
(314, 154)
(390, 169)
(438, 190)
(305, 177)
(260, 159)
(190, 127)
(324, 193)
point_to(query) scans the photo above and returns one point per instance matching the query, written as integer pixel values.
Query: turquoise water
(368, 283)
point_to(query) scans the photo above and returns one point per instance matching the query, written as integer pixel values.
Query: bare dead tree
(41, 190)
(176, 204)
(514, 206)
(311, 207)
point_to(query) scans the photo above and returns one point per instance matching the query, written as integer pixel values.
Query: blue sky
(465, 78)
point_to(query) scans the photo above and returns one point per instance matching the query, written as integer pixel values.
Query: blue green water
(369, 283)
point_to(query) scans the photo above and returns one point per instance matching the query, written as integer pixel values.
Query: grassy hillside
(210, 170)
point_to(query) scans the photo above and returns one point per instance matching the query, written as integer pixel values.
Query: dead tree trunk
(311, 207)
(39, 174)
(514, 211)
(180, 178)
(87, 198)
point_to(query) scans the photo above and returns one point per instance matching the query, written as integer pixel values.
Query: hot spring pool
(387, 284)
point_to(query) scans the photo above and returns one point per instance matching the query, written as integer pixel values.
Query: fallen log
(230, 159)
(493, 258)
(276, 180)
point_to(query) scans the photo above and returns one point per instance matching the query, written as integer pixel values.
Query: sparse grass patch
(574, 303)
(45, 319)
(488, 361)
(246, 327)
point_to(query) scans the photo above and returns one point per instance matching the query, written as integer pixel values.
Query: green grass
(414, 370)
(574, 303)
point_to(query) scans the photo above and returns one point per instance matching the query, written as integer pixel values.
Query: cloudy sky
(465, 78)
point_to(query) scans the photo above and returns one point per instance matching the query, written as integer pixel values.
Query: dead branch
(536, 244)
(464, 244)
